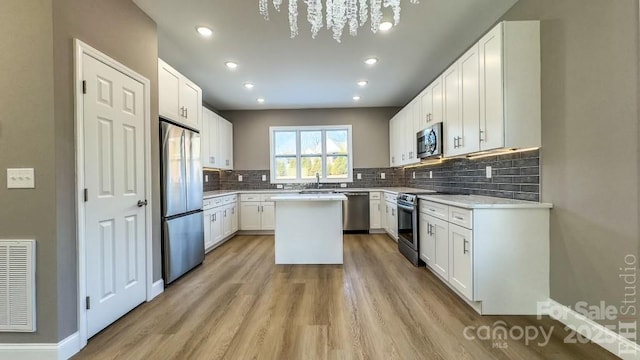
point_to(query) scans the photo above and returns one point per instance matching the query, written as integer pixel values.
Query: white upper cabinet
(180, 100)
(510, 86)
(451, 104)
(216, 141)
(489, 99)
(463, 136)
(431, 104)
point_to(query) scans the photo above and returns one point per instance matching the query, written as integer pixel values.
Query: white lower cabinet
(375, 211)
(257, 212)
(497, 259)
(391, 215)
(218, 220)
(461, 260)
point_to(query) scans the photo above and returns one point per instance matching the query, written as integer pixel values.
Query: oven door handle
(408, 208)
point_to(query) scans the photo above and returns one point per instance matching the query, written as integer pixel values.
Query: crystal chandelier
(339, 13)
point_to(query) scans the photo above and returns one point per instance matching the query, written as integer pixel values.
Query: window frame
(299, 156)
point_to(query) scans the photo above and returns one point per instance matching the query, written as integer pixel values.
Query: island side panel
(308, 232)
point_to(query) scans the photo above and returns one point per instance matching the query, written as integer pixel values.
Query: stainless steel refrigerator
(181, 184)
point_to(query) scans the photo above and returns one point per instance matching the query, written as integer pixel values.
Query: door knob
(142, 203)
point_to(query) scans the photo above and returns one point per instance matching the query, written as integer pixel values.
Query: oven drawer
(462, 217)
(434, 209)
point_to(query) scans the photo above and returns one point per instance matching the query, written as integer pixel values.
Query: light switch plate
(240, 178)
(264, 177)
(414, 175)
(383, 176)
(23, 178)
(430, 174)
(279, 186)
(359, 176)
(343, 185)
(206, 178)
(489, 174)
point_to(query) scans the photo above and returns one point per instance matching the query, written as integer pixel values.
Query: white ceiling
(314, 73)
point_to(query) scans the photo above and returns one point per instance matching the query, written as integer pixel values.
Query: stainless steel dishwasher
(355, 211)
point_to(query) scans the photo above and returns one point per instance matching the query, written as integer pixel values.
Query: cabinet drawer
(206, 204)
(434, 209)
(266, 197)
(374, 196)
(250, 197)
(229, 199)
(391, 197)
(462, 217)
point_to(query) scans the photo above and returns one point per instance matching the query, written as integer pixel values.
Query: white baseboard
(69, 346)
(156, 289)
(60, 351)
(597, 333)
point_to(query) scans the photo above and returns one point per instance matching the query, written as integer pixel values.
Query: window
(299, 153)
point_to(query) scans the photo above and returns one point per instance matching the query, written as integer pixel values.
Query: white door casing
(142, 165)
(114, 179)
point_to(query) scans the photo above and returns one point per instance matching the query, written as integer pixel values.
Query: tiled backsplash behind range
(252, 180)
(514, 176)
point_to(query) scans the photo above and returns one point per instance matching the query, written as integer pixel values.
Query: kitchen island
(308, 228)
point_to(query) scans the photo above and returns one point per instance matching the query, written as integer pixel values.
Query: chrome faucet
(317, 180)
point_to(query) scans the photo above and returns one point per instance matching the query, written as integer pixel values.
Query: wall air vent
(17, 285)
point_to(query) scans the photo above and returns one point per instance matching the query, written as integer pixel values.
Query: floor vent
(17, 285)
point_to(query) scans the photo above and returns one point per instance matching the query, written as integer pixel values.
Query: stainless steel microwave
(429, 141)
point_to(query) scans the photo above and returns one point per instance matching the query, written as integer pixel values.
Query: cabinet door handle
(481, 135)
(186, 112)
(393, 212)
(460, 141)
(455, 142)
(233, 211)
(464, 246)
(458, 218)
(225, 213)
(378, 207)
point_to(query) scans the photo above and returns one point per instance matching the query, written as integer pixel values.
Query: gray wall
(121, 30)
(370, 133)
(589, 156)
(37, 130)
(26, 140)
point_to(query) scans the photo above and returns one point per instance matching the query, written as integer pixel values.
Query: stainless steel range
(408, 227)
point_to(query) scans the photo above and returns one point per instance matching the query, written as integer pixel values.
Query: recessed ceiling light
(204, 31)
(363, 83)
(385, 26)
(231, 64)
(371, 61)
(248, 85)
(260, 100)
(356, 98)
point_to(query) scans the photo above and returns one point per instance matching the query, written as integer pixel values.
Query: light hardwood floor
(239, 305)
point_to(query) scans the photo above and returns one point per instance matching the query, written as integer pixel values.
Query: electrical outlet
(206, 178)
(489, 174)
(414, 175)
(279, 186)
(359, 176)
(240, 178)
(343, 185)
(430, 174)
(383, 176)
(264, 177)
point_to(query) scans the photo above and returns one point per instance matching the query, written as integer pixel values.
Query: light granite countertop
(483, 202)
(394, 190)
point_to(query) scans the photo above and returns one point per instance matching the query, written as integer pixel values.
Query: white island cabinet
(308, 228)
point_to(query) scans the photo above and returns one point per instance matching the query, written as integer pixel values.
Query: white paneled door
(115, 196)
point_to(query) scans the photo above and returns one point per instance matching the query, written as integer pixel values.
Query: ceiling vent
(17, 285)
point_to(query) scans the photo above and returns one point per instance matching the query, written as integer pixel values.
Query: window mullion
(298, 157)
(325, 171)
